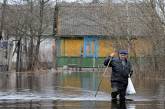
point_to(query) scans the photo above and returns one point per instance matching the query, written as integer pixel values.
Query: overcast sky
(76, 0)
(64, 0)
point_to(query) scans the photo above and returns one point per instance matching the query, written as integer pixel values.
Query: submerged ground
(74, 90)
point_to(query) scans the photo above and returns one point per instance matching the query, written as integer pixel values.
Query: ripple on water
(23, 95)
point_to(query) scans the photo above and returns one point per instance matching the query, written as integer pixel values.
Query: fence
(141, 63)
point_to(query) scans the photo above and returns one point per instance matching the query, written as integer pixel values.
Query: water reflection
(45, 89)
(82, 84)
(120, 105)
(77, 105)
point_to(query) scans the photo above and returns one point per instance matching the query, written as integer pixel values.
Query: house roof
(101, 19)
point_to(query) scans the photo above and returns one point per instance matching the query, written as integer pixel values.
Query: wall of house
(143, 47)
(92, 52)
(105, 48)
(76, 47)
(71, 47)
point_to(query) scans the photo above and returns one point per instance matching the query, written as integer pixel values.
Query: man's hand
(113, 54)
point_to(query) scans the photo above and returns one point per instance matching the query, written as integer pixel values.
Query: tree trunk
(2, 18)
(18, 62)
(31, 47)
(39, 33)
(30, 55)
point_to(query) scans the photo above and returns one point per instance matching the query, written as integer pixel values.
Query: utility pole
(55, 30)
(127, 10)
(128, 26)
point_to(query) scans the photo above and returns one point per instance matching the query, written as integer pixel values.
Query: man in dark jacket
(121, 69)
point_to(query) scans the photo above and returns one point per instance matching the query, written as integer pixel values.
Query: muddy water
(72, 90)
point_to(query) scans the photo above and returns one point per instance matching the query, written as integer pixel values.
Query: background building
(88, 33)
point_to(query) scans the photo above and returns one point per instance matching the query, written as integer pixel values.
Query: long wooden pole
(102, 77)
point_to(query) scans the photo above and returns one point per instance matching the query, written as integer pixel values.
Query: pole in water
(102, 77)
(98, 87)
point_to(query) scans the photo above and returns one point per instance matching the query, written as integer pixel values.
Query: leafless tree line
(28, 22)
(155, 11)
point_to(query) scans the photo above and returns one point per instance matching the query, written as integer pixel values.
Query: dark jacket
(120, 72)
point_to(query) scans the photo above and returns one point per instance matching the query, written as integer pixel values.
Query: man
(121, 69)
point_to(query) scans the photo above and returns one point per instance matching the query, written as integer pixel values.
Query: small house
(86, 34)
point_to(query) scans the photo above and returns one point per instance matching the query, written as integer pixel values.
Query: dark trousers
(121, 91)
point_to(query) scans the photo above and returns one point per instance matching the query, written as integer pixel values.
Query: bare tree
(3, 18)
(29, 22)
(37, 29)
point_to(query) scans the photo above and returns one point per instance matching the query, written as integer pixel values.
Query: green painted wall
(82, 62)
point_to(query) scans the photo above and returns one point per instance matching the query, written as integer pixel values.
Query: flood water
(75, 90)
